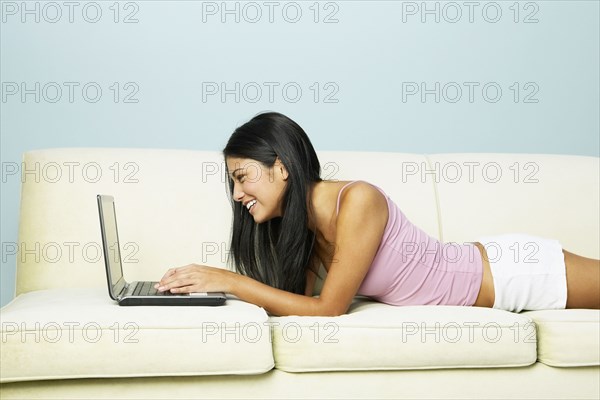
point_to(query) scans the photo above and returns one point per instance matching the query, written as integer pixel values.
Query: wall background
(423, 77)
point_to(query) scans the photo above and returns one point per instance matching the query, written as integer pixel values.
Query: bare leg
(583, 281)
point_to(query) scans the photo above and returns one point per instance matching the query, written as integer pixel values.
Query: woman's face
(254, 182)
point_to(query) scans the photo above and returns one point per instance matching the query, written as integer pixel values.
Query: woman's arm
(359, 229)
(311, 279)
(277, 301)
(302, 304)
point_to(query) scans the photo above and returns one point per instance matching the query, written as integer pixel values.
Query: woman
(287, 220)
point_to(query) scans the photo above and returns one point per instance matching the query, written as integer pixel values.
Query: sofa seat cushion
(567, 338)
(377, 336)
(76, 333)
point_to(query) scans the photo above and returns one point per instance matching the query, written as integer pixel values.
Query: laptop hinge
(124, 291)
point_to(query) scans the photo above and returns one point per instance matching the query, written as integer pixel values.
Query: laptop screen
(110, 242)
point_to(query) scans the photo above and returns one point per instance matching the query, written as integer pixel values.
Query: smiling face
(254, 182)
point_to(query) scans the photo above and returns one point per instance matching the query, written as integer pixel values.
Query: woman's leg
(583, 281)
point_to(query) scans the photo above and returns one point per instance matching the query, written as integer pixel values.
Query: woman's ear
(282, 170)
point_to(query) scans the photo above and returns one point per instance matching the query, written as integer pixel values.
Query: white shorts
(529, 272)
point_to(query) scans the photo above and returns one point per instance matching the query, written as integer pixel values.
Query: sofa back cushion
(173, 210)
(548, 195)
(171, 207)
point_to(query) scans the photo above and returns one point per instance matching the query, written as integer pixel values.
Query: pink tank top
(413, 268)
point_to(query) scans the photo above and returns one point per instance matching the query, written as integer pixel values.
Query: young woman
(287, 221)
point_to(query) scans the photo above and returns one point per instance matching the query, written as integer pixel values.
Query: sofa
(63, 337)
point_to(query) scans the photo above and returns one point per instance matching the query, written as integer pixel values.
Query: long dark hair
(278, 251)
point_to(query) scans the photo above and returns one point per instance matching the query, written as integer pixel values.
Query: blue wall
(505, 77)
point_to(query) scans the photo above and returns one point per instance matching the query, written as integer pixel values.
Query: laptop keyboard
(147, 289)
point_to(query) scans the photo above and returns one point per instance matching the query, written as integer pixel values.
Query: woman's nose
(238, 195)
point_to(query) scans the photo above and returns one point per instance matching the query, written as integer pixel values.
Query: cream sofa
(63, 337)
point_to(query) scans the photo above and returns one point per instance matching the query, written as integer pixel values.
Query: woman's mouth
(251, 205)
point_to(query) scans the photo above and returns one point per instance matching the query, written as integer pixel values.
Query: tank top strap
(340, 194)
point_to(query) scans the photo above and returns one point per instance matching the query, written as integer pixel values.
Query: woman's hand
(196, 278)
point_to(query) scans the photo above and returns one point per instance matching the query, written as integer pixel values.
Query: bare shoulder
(362, 204)
(363, 193)
(362, 210)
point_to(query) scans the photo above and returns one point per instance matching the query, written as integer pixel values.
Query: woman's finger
(170, 272)
(182, 279)
(184, 289)
(172, 284)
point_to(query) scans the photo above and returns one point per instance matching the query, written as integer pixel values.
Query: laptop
(139, 293)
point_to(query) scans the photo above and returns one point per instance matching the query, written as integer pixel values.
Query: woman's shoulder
(367, 205)
(339, 186)
(335, 195)
(361, 191)
(336, 192)
(362, 213)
